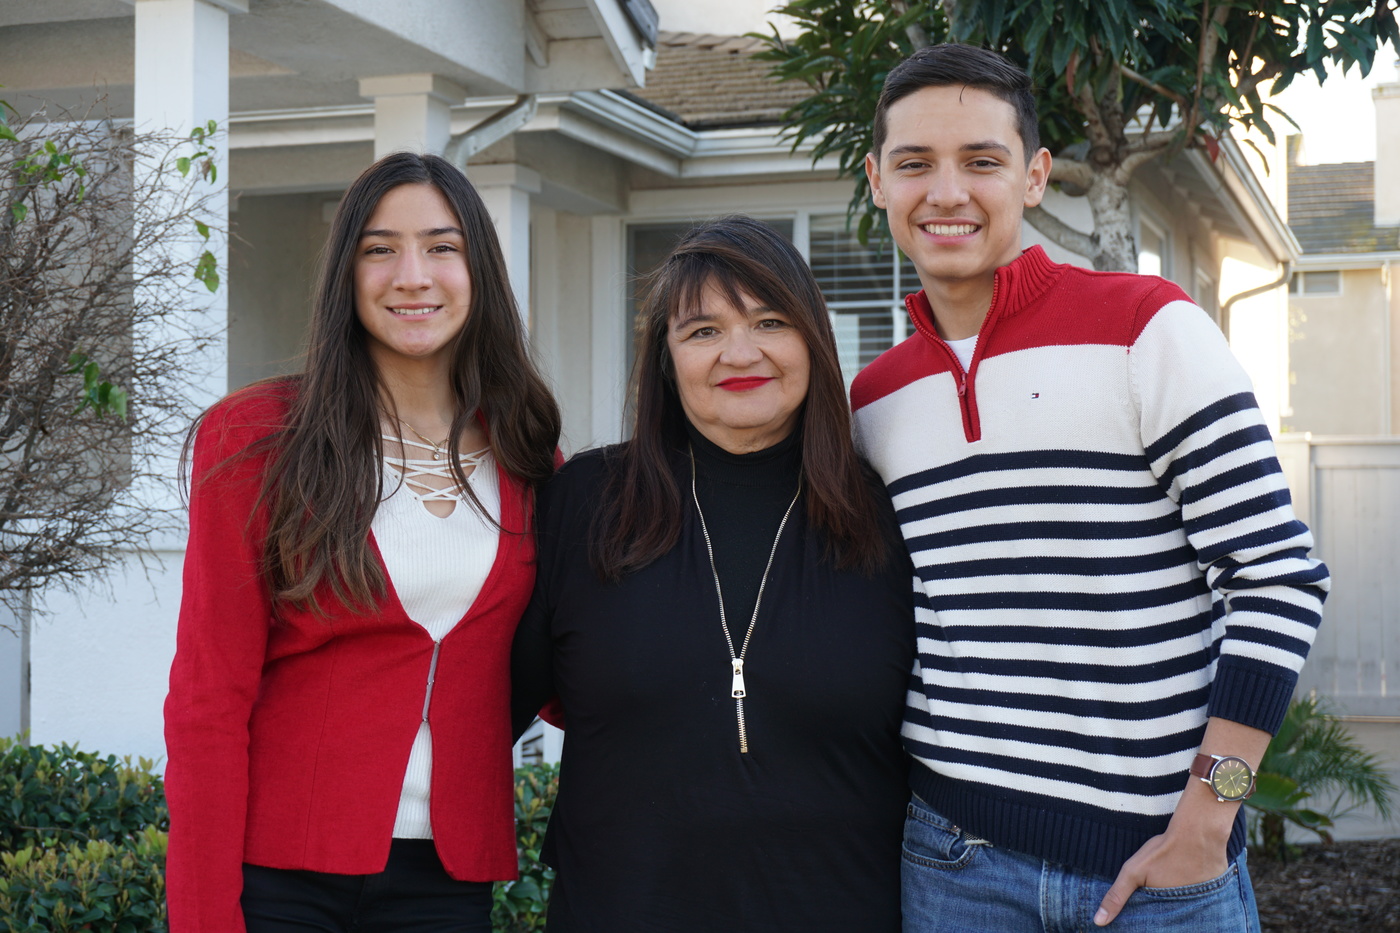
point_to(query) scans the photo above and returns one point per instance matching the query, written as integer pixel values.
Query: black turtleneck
(744, 497)
(662, 823)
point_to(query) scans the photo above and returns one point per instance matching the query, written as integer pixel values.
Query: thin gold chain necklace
(736, 658)
(435, 445)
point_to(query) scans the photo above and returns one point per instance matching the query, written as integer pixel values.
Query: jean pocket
(1199, 889)
(933, 841)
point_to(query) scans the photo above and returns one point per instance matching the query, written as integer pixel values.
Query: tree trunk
(1113, 224)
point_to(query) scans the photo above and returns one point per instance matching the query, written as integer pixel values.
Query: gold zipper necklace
(736, 658)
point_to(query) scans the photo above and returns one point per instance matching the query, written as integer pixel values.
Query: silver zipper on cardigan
(432, 677)
(736, 658)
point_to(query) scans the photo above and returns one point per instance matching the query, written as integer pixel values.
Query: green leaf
(526, 889)
(203, 229)
(19, 211)
(182, 165)
(206, 271)
(118, 402)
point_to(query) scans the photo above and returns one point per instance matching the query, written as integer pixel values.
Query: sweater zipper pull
(736, 689)
(962, 386)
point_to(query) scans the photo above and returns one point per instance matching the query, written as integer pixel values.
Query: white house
(595, 139)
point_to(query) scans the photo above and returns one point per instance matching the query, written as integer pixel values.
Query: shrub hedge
(520, 905)
(82, 844)
(68, 795)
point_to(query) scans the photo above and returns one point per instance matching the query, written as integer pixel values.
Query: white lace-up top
(437, 567)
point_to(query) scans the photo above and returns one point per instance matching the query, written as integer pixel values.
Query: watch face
(1230, 778)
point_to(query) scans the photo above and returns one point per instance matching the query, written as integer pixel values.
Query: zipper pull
(962, 386)
(432, 678)
(736, 689)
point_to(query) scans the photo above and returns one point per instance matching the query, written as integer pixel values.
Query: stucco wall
(14, 673)
(1338, 358)
(100, 660)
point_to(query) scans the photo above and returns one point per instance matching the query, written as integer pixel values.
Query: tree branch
(1095, 130)
(1133, 160)
(916, 33)
(1151, 85)
(1150, 143)
(1071, 171)
(1061, 233)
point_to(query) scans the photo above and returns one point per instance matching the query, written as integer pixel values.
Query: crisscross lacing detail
(414, 471)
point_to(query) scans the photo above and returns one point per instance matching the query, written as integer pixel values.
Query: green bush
(65, 795)
(96, 885)
(1312, 756)
(520, 905)
(82, 842)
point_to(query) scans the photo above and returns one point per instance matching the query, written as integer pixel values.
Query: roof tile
(1331, 209)
(708, 82)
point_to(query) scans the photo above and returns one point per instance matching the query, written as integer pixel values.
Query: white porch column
(182, 82)
(411, 111)
(506, 189)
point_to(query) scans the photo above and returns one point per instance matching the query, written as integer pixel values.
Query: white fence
(1347, 489)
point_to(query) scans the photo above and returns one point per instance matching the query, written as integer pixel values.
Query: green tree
(1120, 82)
(102, 234)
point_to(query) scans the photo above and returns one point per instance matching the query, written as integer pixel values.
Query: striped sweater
(1105, 555)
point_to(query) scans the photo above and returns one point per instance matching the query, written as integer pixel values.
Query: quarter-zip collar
(1015, 286)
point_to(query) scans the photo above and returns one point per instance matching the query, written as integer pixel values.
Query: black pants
(413, 894)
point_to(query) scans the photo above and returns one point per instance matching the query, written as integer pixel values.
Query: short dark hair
(970, 66)
(639, 517)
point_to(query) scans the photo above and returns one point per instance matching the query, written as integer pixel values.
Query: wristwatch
(1230, 778)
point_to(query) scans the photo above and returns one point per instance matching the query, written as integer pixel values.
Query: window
(1152, 249)
(864, 288)
(1207, 294)
(1316, 283)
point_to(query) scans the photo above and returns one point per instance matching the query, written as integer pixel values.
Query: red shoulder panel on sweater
(906, 362)
(1083, 307)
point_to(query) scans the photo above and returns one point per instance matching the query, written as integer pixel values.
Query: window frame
(1300, 279)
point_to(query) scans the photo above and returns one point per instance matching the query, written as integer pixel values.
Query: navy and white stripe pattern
(1108, 560)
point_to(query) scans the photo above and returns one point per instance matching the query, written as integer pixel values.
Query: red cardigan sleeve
(225, 615)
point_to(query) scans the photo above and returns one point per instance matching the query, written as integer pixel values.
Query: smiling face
(954, 180)
(412, 286)
(741, 373)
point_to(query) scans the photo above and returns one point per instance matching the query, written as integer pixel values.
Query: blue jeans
(955, 882)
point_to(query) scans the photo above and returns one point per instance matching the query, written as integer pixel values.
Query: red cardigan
(288, 734)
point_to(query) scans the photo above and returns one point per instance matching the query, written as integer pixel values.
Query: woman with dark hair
(360, 552)
(722, 607)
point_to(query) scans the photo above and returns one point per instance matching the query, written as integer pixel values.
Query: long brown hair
(325, 475)
(640, 516)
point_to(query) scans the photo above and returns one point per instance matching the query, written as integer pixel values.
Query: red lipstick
(744, 383)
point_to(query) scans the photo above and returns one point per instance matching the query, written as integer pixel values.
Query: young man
(1113, 597)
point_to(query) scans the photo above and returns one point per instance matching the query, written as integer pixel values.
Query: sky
(1337, 118)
